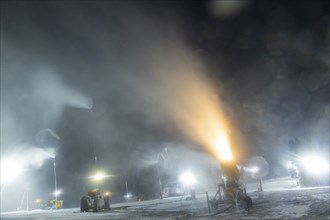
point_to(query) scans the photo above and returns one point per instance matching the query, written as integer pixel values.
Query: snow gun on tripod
(229, 189)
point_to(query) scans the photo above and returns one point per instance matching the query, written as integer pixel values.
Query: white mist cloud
(23, 158)
(48, 87)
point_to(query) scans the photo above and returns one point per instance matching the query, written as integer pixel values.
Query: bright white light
(10, 169)
(56, 193)
(128, 196)
(187, 178)
(99, 176)
(314, 164)
(255, 169)
(223, 147)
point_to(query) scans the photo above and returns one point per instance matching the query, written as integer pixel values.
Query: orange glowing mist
(201, 117)
(194, 106)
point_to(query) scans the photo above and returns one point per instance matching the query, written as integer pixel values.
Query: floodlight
(10, 169)
(315, 165)
(99, 176)
(187, 178)
(254, 169)
(57, 192)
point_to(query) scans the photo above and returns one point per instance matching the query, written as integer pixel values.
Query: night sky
(99, 75)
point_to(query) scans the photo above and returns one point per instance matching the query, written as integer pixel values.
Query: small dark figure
(295, 169)
(107, 201)
(193, 194)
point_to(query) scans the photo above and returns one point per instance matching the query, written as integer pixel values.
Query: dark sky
(268, 62)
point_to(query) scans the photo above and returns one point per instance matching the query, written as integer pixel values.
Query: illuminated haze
(123, 78)
(168, 86)
(178, 90)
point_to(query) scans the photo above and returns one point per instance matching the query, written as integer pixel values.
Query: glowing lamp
(187, 178)
(99, 176)
(255, 169)
(57, 192)
(10, 169)
(315, 165)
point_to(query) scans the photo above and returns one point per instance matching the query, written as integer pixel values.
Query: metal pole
(95, 157)
(208, 201)
(22, 200)
(93, 145)
(159, 180)
(1, 190)
(27, 200)
(160, 186)
(126, 187)
(55, 180)
(260, 185)
(219, 188)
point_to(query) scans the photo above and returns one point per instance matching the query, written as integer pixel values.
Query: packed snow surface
(280, 200)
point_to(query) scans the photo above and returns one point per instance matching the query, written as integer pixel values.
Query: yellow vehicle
(56, 204)
(94, 201)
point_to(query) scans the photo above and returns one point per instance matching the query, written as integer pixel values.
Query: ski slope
(280, 200)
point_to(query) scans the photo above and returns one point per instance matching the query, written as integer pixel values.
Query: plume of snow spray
(23, 158)
(49, 87)
(179, 91)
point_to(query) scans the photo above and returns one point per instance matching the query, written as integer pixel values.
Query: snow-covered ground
(280, 200)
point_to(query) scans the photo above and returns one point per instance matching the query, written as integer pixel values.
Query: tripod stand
(24, 197)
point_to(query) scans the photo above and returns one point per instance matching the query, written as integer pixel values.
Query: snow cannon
(233, 193)
(232, 189)
(93, 201)
(230, 178)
